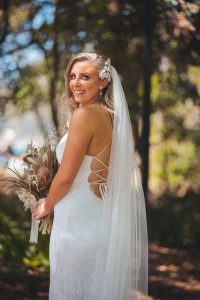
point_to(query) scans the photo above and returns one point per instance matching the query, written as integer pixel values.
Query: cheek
(70, 85)
(92, 87)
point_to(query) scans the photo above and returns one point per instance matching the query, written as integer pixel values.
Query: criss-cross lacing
(101, 181)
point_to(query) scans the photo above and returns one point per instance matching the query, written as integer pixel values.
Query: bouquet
(33, 184)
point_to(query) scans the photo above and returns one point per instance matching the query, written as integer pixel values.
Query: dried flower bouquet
(33, 184)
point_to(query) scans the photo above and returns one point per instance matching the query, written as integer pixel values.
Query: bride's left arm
(79, 136)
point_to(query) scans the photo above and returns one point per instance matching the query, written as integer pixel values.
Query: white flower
(105, 73)
(27, 198)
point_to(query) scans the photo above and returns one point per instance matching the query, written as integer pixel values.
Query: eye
(85, 77)
(72, 76)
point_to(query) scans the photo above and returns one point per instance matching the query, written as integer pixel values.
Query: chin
(78, 101)
(84, 101)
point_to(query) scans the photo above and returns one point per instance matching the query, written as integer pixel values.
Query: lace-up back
(98, 173)
(99, 168)
(93, 170)
(77, 229)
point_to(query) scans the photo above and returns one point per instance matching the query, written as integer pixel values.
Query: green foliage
(14, 236)
(175, 130)
(116, 29)
(175, 221)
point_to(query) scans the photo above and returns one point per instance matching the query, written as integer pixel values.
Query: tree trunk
(35, 108)
(5, 24)
(147, 91)
(55, 73)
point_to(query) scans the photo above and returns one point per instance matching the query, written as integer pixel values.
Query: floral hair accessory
(105, 73)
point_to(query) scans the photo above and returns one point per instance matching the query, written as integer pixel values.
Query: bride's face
(84, 82)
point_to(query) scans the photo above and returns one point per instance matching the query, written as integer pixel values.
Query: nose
(77, 81)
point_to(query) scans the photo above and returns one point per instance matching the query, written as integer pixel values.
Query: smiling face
(84, 82)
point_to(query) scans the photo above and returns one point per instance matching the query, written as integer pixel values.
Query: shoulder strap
(111, 119)
(109, 113)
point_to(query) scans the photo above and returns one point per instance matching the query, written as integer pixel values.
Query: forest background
(154, 45)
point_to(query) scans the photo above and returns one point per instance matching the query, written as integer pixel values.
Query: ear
(103, 84)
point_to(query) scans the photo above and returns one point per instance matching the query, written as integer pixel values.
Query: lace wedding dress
(76, 232)
(99, 247)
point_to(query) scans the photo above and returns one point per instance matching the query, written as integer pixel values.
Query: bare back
(99, 148)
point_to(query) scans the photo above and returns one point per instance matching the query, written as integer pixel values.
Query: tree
(55, 30)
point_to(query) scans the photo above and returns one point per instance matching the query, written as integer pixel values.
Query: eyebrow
(85, 73)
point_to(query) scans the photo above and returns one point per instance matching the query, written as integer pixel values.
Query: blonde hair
(106, 98)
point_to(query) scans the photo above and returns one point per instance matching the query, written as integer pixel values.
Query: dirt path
(173, 275)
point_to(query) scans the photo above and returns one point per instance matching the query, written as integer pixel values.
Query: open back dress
(76, 230)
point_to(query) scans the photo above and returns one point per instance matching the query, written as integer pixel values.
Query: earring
(100, 93)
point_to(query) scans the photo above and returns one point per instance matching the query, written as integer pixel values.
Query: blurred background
(154, 45)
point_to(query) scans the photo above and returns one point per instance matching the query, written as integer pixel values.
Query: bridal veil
(124, 243)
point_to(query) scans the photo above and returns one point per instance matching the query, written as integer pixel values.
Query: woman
(98, 245)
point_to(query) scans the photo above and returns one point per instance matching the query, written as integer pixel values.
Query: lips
(78, 92)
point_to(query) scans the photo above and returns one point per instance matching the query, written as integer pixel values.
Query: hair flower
(105, 73)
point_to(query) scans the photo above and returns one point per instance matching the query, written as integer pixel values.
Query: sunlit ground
(173, 275)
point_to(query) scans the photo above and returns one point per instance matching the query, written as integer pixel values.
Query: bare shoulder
(89, 111)
(82, 113)
(83, 117)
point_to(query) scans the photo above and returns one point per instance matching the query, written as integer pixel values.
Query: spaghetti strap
(110, 116)
(111, 119)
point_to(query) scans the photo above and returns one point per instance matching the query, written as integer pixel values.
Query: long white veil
(124, 244)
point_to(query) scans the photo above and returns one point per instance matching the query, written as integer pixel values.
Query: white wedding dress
(99, 248)
(75, 235)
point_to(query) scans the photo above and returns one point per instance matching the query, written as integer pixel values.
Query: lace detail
(76, 232)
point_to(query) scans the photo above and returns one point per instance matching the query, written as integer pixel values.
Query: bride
(98, 243)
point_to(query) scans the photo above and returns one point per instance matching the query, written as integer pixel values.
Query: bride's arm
(79, 136)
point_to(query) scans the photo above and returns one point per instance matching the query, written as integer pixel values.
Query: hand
(41, 210)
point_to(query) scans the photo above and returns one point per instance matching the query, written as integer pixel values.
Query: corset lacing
(101, 181)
